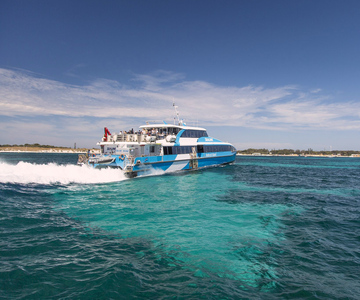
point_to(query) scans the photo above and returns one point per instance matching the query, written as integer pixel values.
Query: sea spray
(52, 173)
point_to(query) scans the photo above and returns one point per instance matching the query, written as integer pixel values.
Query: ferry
(160, 147)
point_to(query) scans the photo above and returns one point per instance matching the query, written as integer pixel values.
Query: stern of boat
(104, 161)
(82, 159)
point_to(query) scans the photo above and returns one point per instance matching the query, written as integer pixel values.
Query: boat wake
(51, 173)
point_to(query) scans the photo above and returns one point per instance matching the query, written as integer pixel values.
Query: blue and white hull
(143, 165)
(160, 147)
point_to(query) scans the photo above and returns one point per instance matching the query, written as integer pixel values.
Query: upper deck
(151, 133)
(169, 126)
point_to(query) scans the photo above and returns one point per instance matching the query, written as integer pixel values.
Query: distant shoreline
(295, 155)
(82, 151)
(42, 151)
(63, 150)
(46, 150)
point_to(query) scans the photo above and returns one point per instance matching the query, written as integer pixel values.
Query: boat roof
(149, 126)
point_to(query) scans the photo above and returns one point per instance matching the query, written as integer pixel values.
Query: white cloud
(281, 108)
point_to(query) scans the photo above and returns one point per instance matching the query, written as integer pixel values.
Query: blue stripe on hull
(216, 160)
(147, 166)
(178, 165)
(118, 163)
(168, 163)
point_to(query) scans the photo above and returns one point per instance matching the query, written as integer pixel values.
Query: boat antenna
(176, 114)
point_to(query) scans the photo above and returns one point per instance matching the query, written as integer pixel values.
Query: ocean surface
(261, 228)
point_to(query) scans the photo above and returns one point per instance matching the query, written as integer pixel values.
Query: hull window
(218, 148)
(200, 149)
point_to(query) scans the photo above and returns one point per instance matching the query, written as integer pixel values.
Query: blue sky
(273, 74)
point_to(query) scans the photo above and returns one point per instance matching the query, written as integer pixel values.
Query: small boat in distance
(162, 147)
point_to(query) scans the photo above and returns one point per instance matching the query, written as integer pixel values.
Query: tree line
(297, 152)
(36, 145)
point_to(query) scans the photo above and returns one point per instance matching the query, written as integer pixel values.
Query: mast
(176, 114)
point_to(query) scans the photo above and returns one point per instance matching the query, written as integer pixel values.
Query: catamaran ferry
(162, 147)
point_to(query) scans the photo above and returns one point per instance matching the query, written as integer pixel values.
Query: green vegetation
(310, 151)
(252, 150)
(35, 146)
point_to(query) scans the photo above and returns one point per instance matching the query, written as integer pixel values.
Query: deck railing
(129, 137)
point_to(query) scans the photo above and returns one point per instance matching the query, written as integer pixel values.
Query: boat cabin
(150, 140)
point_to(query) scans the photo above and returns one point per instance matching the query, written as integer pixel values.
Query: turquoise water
(264, 227)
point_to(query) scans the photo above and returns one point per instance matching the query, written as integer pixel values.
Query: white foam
(52, 173)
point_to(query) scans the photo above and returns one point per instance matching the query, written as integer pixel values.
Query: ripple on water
(258, 229)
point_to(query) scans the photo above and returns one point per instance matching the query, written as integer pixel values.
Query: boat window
(177, 150)
(173, 130)
(190, 133)
(215, 148)
(152, 149)
(200, 149)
